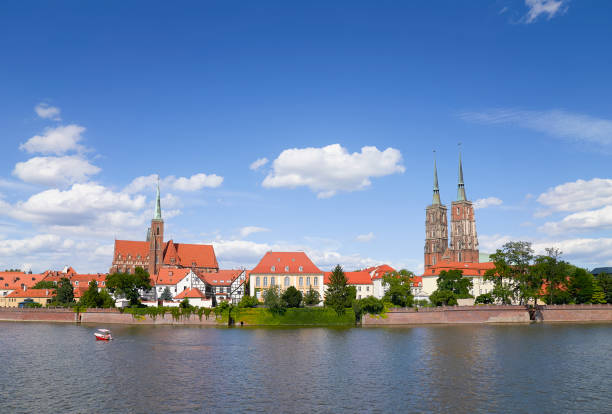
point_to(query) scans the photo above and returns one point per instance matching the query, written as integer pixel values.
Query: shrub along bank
(292, 316)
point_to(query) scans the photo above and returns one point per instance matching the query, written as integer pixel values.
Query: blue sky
(345, 101)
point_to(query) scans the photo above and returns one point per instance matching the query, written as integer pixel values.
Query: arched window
(301, 281)
(265, 281)
(301, 269)
(286, 280)
(257, 281)
(272, 281)
(272, 269)
(158, 230)
(286, 268)
(460, 256)
(315, 280)
(308, 281)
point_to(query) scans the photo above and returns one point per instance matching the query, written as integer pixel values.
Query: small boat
(103, 335)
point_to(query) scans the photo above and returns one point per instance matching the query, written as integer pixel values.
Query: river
(544, 368)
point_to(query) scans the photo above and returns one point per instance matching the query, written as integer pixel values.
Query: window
(367, 288)
(257, 281)
(76, 282)
(272, 281)
(286, 280)
(170, 273)
(301, 281)
(286, 268)
(272, 269)
(316, 280)
(265, 281)
(359, 288)
(301, 269)
(278, 259)
(308, 281)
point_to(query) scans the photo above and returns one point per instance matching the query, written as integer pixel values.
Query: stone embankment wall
(576, 313)
(450, 315)
(37, 315)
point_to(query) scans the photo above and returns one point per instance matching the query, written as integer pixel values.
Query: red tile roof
(468, 269)
(167, 276)
(377, 272)
(31, 293)
(222, 277)
(190, 293)
(285, 262)
(186, 255)
(361, 277)
(14, 280)
(132, 248)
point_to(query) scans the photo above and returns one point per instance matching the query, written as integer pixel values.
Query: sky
(312, 126)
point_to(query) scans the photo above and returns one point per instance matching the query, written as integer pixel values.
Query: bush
(312, 297)
(443, 298)
(485, 299)
(248, 302)
(274, 301)
(422, 302)
(292, 297)
(371, 305)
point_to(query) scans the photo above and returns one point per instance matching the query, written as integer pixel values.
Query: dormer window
(301, 269)
(170, 273)
(278, 260)
(286, 268)
(272, 269)
(76, 282)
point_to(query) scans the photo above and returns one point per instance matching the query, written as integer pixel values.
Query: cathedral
(155, 254)
(463, 247)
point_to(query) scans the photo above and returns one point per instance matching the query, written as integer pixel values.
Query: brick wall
(576, 313)
(451, 315)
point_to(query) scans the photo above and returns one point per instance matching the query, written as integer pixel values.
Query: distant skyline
(302, 126)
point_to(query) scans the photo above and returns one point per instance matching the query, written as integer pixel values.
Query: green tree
(185, 304)
(91, 297)
(553, 274)
(64, 294)
(453, 281)
(485, 299)
(166, 294)
(443, 298)
(129, 284)
(598, 297)
(248, 302)
(292, 297)
(397, 286)
(273, 300)
(312, 297)
(107, 300)
(604, 280)
(337, 296)
(45, 284)
(581, 286)
(371, 305)
(512, 276)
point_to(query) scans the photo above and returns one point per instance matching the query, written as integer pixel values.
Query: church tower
(436, 227)
(464, 241)
(156, 238)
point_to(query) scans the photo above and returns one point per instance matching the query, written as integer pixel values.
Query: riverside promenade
(486, 314)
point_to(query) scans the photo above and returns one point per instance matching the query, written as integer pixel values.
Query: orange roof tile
(15, 280)
(222, 277)
(31, 293)
(361, 277)
(167, 276)
(132, 248)
(468, 269)
(190, 293)
(285, 262)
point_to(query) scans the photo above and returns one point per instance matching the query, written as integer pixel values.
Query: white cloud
(365, 237)
(550, 8)
(245, 231)
(579, 195)
(47, 111)
(58, 140)
(581, 221)
(586, 251)
(330, 169)
(28, 246)
(79, 205)
(55, 171)
(490, 243)
(487, 202)
(259, 162)
(557, 123)
(194, 183)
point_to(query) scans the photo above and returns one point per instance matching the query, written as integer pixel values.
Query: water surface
(459, 369)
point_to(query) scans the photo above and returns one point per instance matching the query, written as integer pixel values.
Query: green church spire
(436, 189)
(157, 204)
(460, 187)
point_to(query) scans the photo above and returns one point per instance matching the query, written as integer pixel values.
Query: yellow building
(13, 299)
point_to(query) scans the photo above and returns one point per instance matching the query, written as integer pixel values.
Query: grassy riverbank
(292, 316)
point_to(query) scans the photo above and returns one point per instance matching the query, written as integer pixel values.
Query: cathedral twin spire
(460, 185)
(157, 215)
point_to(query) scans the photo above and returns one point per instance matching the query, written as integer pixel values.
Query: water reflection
(519, 368)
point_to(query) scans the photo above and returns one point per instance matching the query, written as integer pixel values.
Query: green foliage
(559, 297)
(274, 300)
(93, 299)
(552, 272)
(424, 303)
(512, 276)
(453, 281)
(292, 297)
(45, 284)
(604, 280)
(371, 305)
(64, 294)
(443, 298)
(485, 299)
(33, 305)
(581, 286)
(166, 294)
(128, 284)
(351, 294)
(338, 295)
(314, 316)
(598, 297)
(312, 297)
(398, 288)
(221, 308)
(248, 302)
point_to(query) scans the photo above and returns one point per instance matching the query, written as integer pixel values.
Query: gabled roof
(203, 255)
(361, 277)
(31, 293)
(468, 269)
(133, 248)
(190, 293)
(285, 262)
(14, 280)
(378, 272)
(167, 276)
(186, 255)
(222, 277)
